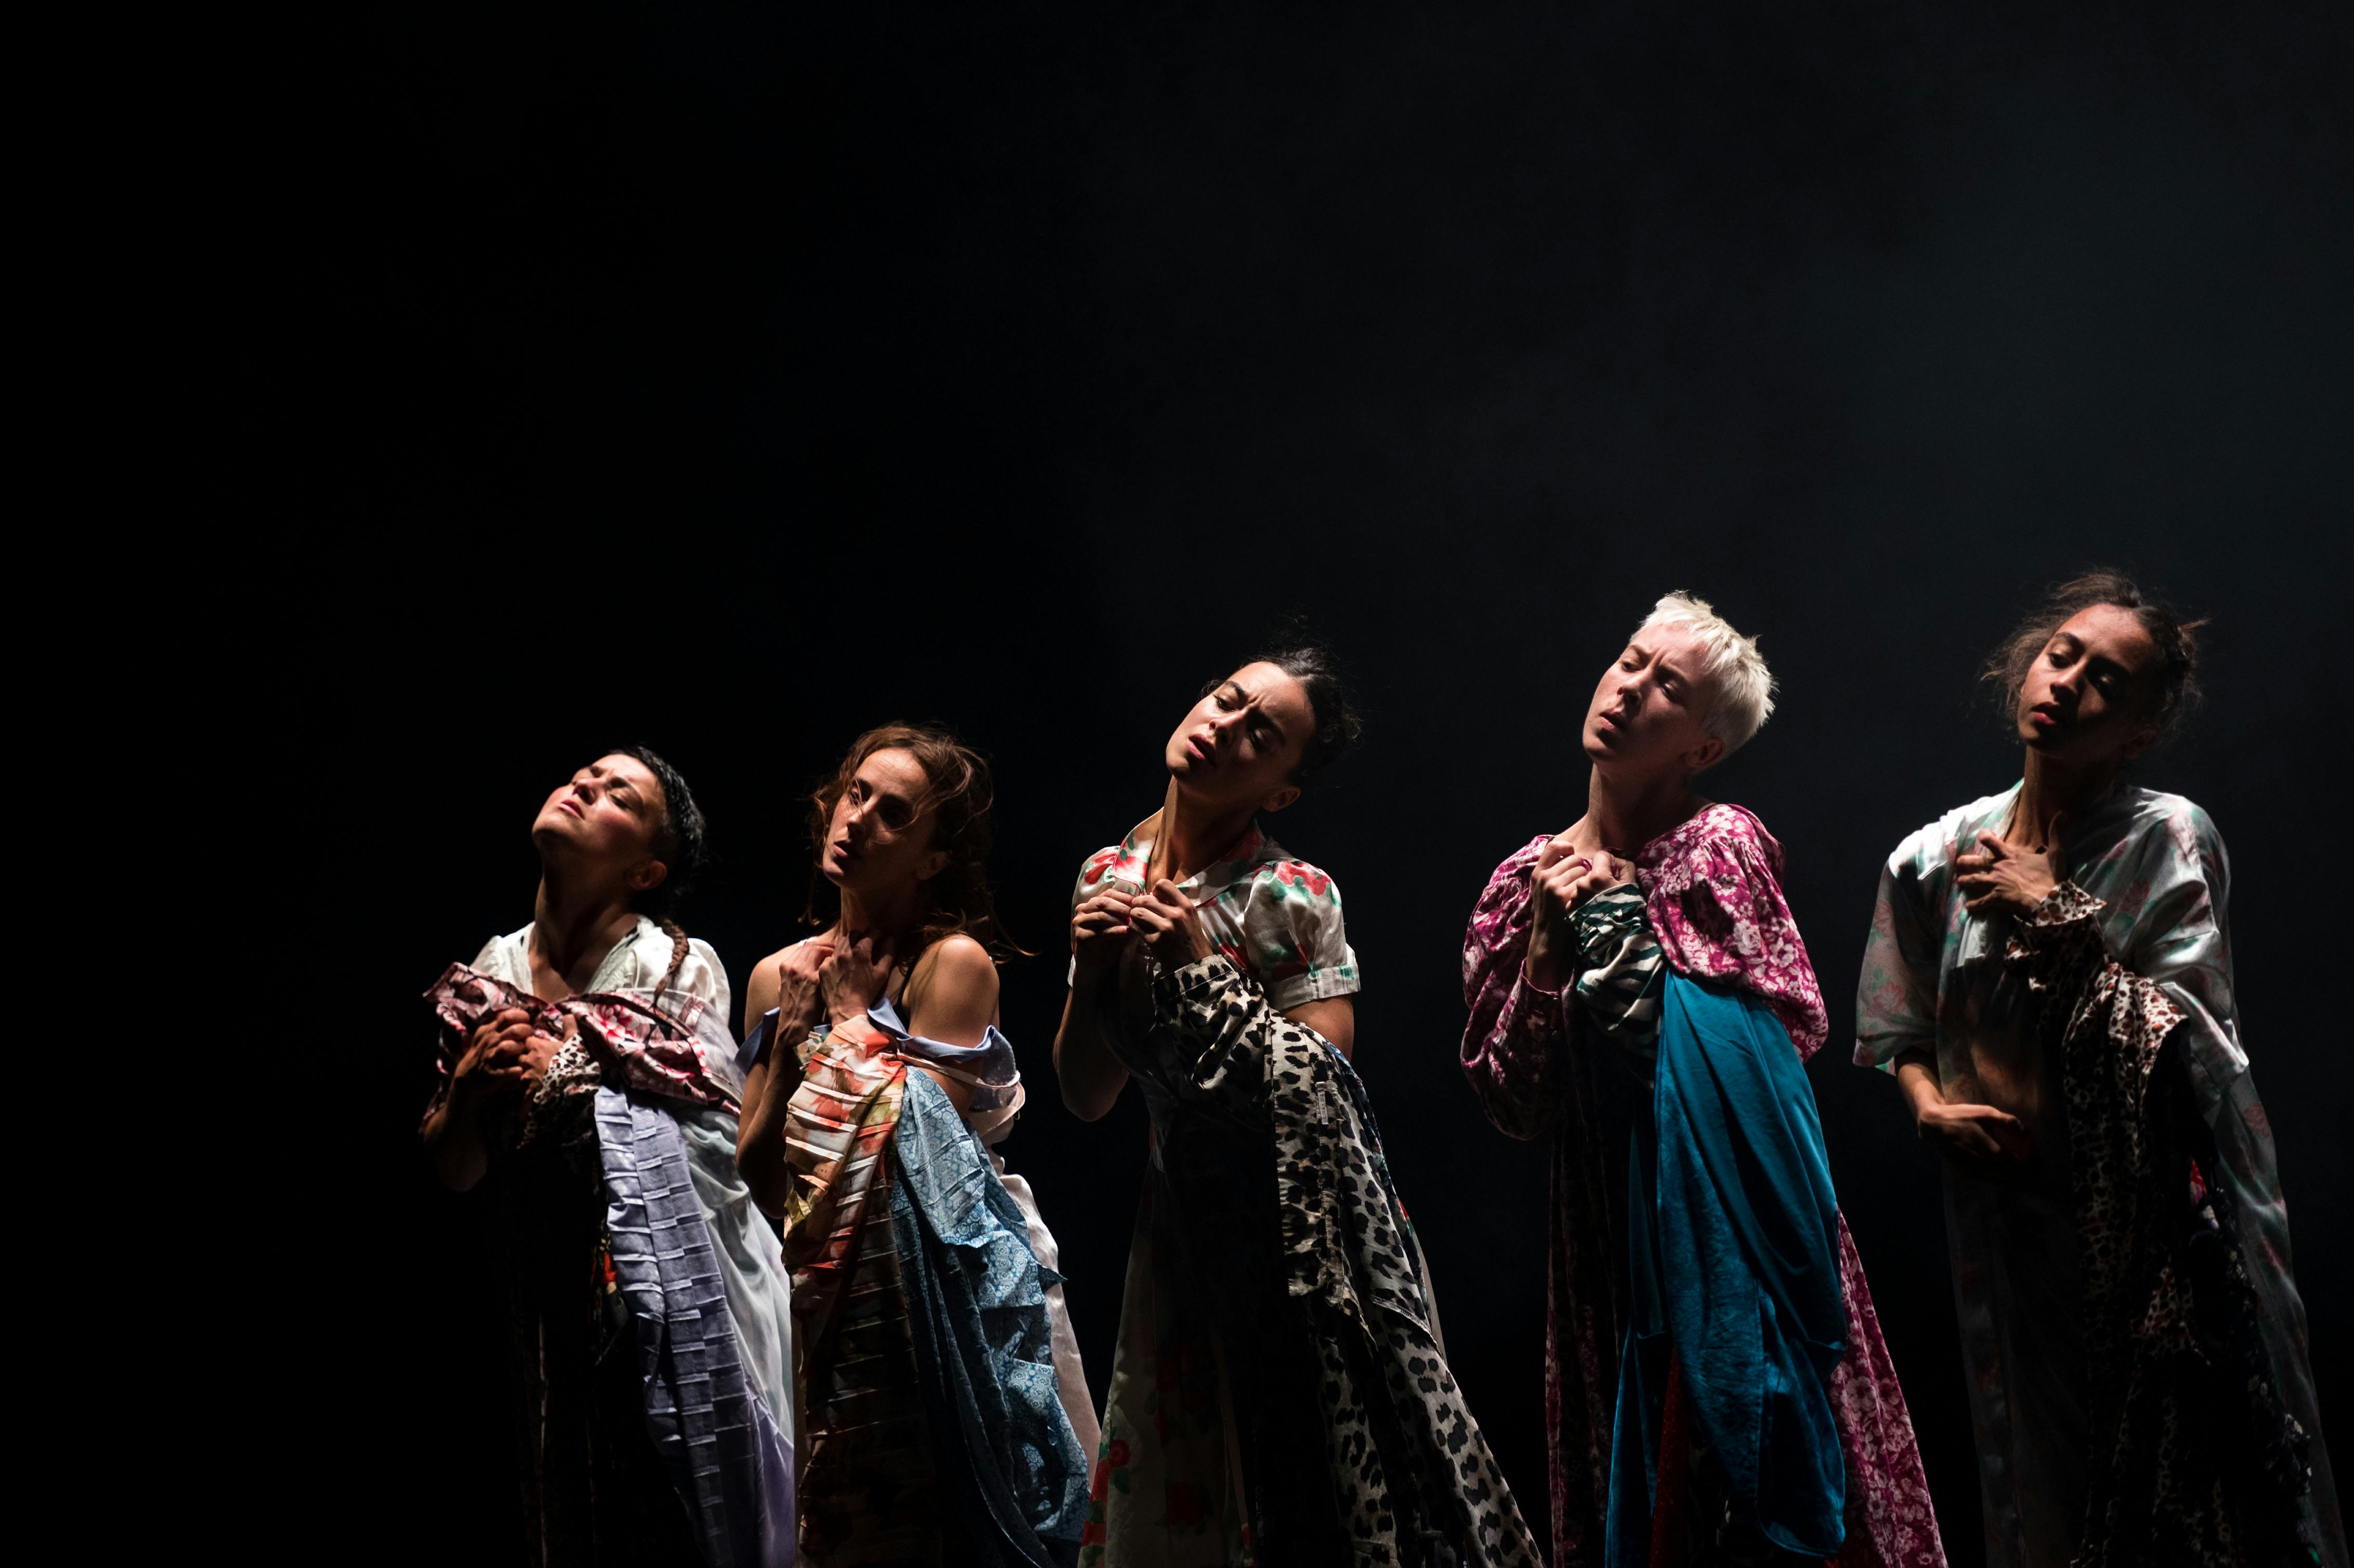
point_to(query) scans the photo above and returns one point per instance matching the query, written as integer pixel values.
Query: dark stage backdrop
(731, 377)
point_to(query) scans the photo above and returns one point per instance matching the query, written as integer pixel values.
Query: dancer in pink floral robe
(1714, 901)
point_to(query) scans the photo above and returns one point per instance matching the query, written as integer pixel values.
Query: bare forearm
(1916, 1076)
(453, 1142)
(1090, 1074)
(761, 1131)
(1334, 1018)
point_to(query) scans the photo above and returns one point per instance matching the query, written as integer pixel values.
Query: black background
(732, 377)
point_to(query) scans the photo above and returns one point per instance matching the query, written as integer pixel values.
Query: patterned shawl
(1412, 1475)
(2194, 1460)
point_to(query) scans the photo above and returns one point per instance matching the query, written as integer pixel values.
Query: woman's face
(606, 818)
(879, 841)
(1651, 707)
(1243, 742)
(2086, 699)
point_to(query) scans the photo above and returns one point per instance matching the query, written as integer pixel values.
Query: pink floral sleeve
(1714, 891)
(1510, 1044)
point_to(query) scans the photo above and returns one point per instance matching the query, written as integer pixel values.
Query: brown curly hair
(959, 792)
(2175, 679)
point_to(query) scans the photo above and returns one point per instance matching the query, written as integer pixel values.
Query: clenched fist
(1561, 880)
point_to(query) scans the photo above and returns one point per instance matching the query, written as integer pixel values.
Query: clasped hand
(1166, 919)
(1561, 881)
(506, 1052)
(831, 983)
(2004, 874)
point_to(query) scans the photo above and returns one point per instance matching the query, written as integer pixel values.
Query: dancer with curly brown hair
(944, 1413)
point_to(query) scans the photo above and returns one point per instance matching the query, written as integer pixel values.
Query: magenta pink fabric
(1712, 889)
(636, 1043)
(1714, 901)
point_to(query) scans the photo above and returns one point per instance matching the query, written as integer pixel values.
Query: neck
(2052, 787)
(1191, 833)
(1625, 814)
(575, 926)
(886, 916)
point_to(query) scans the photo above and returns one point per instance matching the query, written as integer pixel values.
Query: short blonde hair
(1730, 662)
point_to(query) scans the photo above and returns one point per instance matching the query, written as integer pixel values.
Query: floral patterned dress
(1713, 902)
(1184, 1466)
(2085, 1022)
(1277, 917)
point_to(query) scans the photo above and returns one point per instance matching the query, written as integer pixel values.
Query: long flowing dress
(936, 1361)
(2138, 1374)
(1280, 1393)
(649, 1313)
(1675, 1060)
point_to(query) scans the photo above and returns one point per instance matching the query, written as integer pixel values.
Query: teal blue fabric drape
(1732, 1237)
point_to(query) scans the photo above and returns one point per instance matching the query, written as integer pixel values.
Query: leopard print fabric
(2194, 1461)
(1414, 1481)
(570, 1072)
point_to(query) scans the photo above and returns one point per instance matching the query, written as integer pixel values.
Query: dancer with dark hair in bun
(589, 1086)
(1280, 1393)
(2048, 977)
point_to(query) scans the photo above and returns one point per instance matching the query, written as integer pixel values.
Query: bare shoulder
(761, 990)
(952, 993)
(955, 965)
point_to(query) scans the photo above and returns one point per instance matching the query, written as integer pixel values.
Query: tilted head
(628, 817)
(2098, 673)
(908, 812)
(1687, 692)
(1257, 735)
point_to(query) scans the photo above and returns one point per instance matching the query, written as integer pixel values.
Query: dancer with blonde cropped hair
(1716, 1388)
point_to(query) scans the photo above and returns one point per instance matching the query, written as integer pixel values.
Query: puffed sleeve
(1511, 1042)
(1896, 997)
(705, 976)
(1303, 953)
(700, 973)
(1716, 906)
(2178, 939)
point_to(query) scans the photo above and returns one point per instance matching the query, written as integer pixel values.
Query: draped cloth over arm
(1713, 889)
(1712, 912)
(2192, 1456)
(1735, 1280)
(1216, 1442)
(705, 1301)
(2107, 1022)
(933, 1408)
(1535, 1076)
(1409, 1470)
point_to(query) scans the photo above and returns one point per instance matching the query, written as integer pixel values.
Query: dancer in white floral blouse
(1279, 1395)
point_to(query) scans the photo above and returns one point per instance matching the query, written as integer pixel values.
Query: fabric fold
(1733, 1256)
